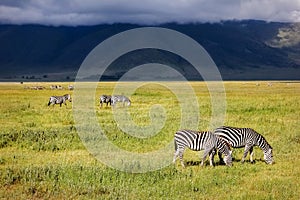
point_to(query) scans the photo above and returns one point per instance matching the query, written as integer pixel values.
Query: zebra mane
(263, 138)
(201, 132)
(267, 142)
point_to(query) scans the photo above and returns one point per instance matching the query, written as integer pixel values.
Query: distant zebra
(105, 99)
(71, 87)
(248, 138)
(120, 98)
(53, 87)
(197, 141)
(59, 99)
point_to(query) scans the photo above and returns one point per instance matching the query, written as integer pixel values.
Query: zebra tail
(175, 145)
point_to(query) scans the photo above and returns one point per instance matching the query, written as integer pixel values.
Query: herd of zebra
(221, 140)
(112, 100)
(108, 99)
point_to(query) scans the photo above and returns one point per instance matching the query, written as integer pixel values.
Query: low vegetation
(42, 156)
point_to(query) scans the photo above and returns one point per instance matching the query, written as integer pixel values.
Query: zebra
(59, 99)
(120, 98)
(71, 87)
(200, 140)
(105, 99)
(53, 87)
(248, 138)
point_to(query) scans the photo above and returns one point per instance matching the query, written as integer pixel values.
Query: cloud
(271, 10)
(90, 12)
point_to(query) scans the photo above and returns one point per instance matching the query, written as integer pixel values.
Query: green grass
(42, 157)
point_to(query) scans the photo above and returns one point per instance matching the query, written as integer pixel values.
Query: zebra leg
(179, 152)
(211, 157)
(113, 103)
(251, 152)
(206, 152)
(175, 155)
(181, 158)
(220, 158)
(247, 148)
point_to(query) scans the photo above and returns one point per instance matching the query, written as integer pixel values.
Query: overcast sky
(91, 12)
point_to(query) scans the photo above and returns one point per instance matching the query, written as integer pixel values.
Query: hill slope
(241, 50)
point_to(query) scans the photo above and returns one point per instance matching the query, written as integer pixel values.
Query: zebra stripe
(248, 138)
(105, 99)
(59, 99)
(196, 141)
(120, 98)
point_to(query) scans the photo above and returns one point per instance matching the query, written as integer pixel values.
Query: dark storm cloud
(88, 12)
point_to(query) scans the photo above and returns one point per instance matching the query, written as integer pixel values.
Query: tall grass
(42, 157)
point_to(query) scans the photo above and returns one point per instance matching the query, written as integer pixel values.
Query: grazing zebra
(248, 138)
(59, 99)
(120, 98)
(197, 141)
(71, 87)
(105, 99)
(53, 87)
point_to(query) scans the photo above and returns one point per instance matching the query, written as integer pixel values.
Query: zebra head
(128, 103)
(268, 156)
(228, 158)
(68, 97)
(224, 148)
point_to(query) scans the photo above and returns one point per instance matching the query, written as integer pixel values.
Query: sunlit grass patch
(43, 157)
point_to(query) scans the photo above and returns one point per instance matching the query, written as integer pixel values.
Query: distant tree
(45, 76)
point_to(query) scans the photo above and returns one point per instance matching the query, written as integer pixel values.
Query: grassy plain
(42, 157)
